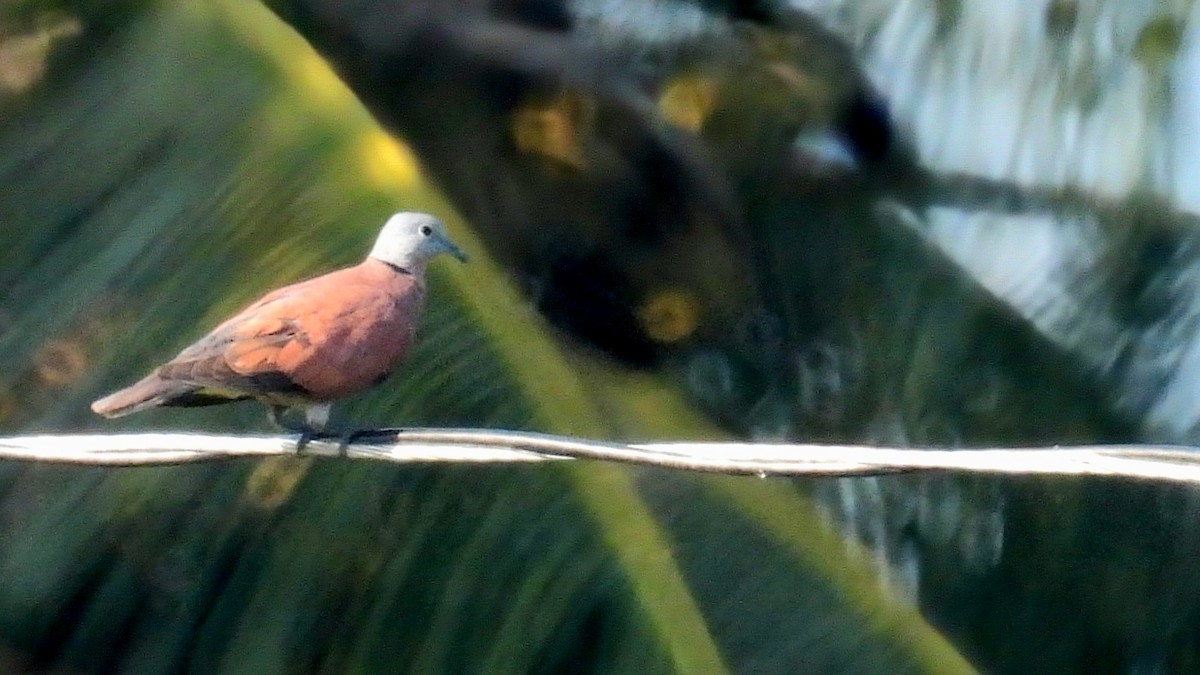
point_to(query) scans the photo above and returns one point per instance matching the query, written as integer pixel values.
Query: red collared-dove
(308, 344)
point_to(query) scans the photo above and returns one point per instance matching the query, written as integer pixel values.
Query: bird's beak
(454, 250)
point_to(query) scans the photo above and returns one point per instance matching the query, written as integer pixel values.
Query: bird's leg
(306, 436)
(276, 412)
(312, 428)
(317, 416)
(345, 440)
(316, 419)
(316, 426)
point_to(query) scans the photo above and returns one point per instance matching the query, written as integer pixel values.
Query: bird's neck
(413, 268)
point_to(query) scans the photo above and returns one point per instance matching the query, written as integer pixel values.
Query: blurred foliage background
(927, 223)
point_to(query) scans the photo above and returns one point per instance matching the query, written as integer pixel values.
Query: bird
(302, 347)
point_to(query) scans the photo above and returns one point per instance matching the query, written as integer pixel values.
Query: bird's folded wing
(241, 357)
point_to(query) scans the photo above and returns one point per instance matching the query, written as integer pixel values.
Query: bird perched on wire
(306, 345)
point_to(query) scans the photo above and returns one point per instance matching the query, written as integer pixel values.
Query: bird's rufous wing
(241, 357)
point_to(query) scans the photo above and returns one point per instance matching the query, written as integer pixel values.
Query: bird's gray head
(409, 240)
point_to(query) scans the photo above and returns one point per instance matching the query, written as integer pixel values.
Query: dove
(304, 346)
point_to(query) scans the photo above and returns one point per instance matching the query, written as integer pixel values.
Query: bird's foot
(345, 437)
(307, 436)
(308, 433)
(380, 433)
(355, 435)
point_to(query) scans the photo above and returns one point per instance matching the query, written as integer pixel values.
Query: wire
(1136, 462)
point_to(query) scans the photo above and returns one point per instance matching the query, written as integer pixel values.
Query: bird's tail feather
(150, 392)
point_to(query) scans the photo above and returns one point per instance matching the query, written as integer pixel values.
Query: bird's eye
(426, 230)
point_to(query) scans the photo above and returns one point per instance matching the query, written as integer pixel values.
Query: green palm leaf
(174, 167)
